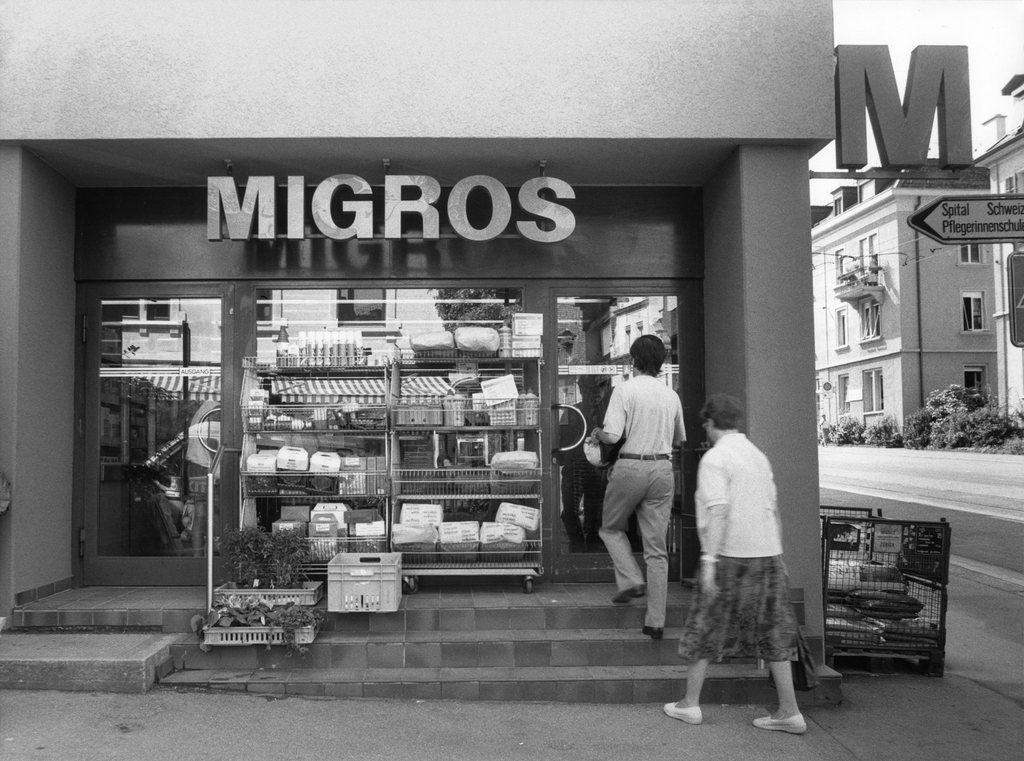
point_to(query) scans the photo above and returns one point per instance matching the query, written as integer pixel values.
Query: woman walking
(742, 607)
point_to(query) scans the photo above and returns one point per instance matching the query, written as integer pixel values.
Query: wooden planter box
(309, 594)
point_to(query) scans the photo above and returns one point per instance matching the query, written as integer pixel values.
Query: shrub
(917, 429)
(985, 426)
(883, 433)
(274, 559)
(849, 431)
(954, 399)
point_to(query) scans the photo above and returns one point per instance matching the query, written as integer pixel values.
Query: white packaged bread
(524, 516)
(501, 533)
(440, 340)
(459, 532)
(418, 514)
(410, 534)
(476, 339)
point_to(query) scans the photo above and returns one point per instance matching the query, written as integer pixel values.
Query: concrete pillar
(759, 333)
(37, 371)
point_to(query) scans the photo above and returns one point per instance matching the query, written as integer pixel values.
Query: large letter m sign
(937, 79)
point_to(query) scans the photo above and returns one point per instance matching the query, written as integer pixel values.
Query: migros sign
(259, 202)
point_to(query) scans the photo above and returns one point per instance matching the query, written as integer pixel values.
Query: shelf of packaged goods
(371, 365)
(462, 428)
(288, 484)
(482, 483)
(315, 418)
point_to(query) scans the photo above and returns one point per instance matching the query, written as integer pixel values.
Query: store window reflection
(593, 337)
(160, 406)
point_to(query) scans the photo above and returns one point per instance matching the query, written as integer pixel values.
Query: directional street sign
(971, 219)
(1015, 280)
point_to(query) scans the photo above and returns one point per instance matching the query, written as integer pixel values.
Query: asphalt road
(981, 496)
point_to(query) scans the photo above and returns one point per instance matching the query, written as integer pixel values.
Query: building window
(970, 253)
(972, 311)
(874, 398)
(1010, 184)
(842, 337)
(974, 377)
(844, 263)
(869, 251)
(869, 323)
(842, 390)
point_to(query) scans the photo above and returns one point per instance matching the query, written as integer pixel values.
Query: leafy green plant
(242, 611)
(884, 433)
(849, 431)
(917, 429)
(255, 558)
(985, 427)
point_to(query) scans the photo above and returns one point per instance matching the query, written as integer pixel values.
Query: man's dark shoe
(654, 632)
(628, 594)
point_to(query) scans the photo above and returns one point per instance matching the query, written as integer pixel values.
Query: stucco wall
(449, 68)
(37, 396)
(755, 291)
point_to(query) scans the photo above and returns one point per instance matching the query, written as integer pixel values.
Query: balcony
(861, 282)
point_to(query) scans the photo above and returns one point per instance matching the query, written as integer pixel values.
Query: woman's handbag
(805, 670)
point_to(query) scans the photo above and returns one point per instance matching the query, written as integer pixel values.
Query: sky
(992, 30)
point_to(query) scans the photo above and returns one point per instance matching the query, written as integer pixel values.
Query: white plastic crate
(255, 635)
(309, 594)
(364, 582)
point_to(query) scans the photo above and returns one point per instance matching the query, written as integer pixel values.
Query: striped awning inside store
(357, 390)
(168, 383)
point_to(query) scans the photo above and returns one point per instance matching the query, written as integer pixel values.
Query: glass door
(593, 334)
(153, 403)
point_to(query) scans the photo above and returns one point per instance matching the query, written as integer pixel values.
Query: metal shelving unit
(339, 407)
(442, 449)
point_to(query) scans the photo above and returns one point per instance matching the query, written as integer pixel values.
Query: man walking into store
(648, 416)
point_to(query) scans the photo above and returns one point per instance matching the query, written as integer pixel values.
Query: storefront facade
(689, 202)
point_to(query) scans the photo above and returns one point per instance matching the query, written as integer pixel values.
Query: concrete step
(75, 661)
(415, 614)
(735, 684)
(469, 648)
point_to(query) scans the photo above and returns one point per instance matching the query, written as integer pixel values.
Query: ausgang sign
(971, 219)
(259, 203)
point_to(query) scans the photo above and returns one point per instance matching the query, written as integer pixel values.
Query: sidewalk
(903, 716)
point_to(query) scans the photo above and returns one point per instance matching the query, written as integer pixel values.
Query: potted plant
(266, 566)
(243, 620)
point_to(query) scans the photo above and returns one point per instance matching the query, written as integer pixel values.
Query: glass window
(868, 251)
(590, 365)
(869, 322)
(842, 338)
(159, 423)
(374, 323)
(842, 392)
(970, 253)
(974, 377)
(874, 400)
(972, 311)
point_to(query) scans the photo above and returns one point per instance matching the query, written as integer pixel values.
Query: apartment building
(896, 315)
(1004, 161)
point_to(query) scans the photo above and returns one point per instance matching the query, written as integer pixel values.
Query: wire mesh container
(413, 411)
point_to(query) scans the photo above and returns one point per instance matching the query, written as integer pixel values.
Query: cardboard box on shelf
(370, 529)
(295, 513)
(324, 462)
(361, 516)
(279, 526)
(292, 458)
(527, 324)
(325, 527)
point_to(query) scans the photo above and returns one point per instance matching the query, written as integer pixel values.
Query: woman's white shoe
(794, 724)
(689, 715)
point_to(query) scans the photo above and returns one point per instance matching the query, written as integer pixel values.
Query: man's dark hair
(725, 411)
(648, 353)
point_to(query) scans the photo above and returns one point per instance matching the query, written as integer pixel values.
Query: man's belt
(628, 456)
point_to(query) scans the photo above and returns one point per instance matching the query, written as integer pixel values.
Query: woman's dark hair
(648, 353)
(725, 411)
